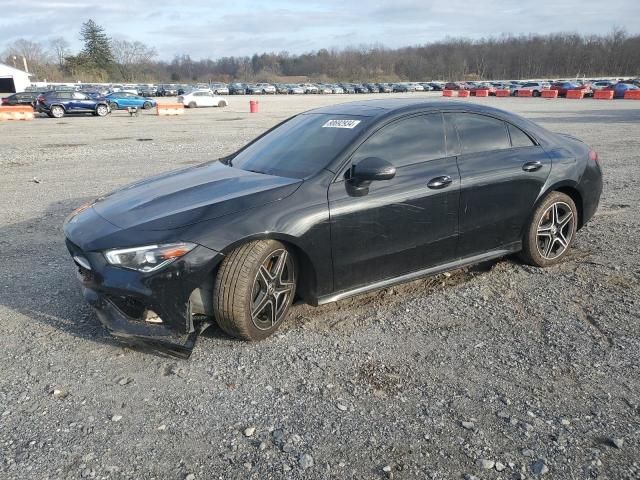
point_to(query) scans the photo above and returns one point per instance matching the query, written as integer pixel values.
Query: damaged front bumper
(154, 309)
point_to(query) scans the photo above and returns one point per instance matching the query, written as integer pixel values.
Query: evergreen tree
(97, 45)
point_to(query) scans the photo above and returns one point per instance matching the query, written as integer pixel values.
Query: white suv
(202, 98)
(535, 87)
(267, 88)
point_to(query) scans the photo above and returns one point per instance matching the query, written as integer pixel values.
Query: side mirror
(366, 171)
(371, 169)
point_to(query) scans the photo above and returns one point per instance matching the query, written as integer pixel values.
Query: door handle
(532, 166)
(439, 182)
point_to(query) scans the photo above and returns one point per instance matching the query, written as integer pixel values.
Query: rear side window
(407, 141)
(479, 133)
(518, 137)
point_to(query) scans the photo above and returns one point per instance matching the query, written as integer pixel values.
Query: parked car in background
(403, 87)
(482, 86)
(237, 89)
(536, 88)
(324, 89)
(219, 88)
(122, 100)
(294, 89)
(253, 89)
(620, 88)
(309, 88)
(435, 86)
(337, 89)
(456, 86)
(385, 87)
(202, 98)
(266, 88)
(281, 88)
(563, 87)
(148, 91)
(348, 87)
(22, 98)
(601, 84)
(58, 104)
(168, 90)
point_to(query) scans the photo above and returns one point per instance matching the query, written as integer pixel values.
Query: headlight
(148, 258)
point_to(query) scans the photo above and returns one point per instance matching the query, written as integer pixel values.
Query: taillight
(593, 155)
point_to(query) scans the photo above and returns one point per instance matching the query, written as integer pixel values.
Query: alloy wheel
(57, 111)
(555, 230)
(272, 289)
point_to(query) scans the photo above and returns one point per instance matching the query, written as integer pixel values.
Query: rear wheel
(536, 93)
(57, 111)
(551, 231)
(192, 105)
(254, 289)
(113, 106)
(102, 110)
(147, 105)
(222, 103)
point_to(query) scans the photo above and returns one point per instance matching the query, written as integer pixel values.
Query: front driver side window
(406, 141)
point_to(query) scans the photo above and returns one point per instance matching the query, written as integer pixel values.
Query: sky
(217, 28)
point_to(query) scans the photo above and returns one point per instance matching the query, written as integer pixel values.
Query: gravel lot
(499, 371)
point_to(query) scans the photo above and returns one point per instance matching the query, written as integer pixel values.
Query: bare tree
(33, 52)
(131, 57)
(60, 50)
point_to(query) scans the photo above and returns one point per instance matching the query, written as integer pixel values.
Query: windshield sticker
(341, 124)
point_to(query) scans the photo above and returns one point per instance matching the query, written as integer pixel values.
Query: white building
(13, 80)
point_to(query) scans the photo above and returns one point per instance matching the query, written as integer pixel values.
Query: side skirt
(462, 262)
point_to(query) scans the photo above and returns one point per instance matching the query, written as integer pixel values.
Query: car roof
(378, 108)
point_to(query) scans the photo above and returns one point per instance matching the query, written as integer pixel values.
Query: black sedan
(328, 204)
(21, 98)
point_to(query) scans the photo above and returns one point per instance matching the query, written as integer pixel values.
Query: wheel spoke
(549, 247)
(262, 304)
(265, 275)
(567, 218)
(279, 266)
(562, 240)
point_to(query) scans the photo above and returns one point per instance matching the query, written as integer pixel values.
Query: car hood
(191, 195)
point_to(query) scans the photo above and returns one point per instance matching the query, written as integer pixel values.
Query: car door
(207, 99)
(502, 172)
(82, 102)
(404, 224)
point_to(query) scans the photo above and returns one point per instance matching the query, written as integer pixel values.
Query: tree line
(568, 55)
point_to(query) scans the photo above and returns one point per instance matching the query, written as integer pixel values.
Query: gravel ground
(498, 371)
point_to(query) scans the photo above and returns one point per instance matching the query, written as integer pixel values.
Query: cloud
(202, 28)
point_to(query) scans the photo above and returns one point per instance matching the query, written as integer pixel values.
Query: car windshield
(301, 146)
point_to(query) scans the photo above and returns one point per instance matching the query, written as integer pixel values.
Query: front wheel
(254, 289)
(147, 105)
(192, 105)
(222, 103)
(551, 231)
(536, 93)
(113, 106)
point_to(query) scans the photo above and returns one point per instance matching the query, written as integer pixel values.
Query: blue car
(619, 89)
(57, 104)
(122, 100)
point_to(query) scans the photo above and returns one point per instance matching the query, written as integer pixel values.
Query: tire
(551, 231)
(57, 111)
(102, 110)
(536, 93)
(147, 105)
(254, 289)
(222, 103)
(192, 105)
(113, 106)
